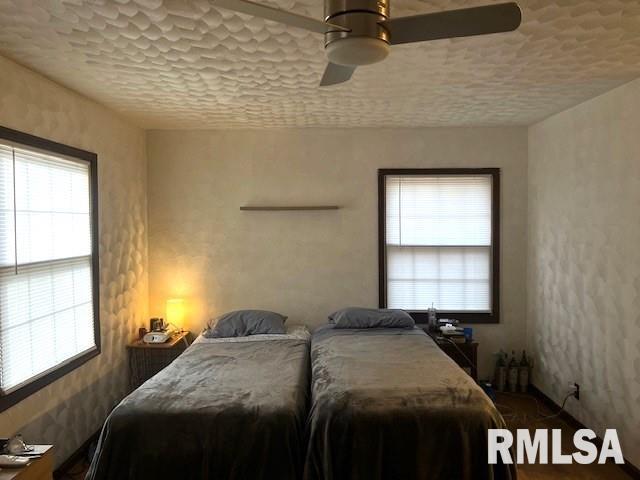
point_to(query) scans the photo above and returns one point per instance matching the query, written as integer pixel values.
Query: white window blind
(438, 242)
(46, 297)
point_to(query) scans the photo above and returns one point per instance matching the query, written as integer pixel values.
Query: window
(48, 263)
(439, 242)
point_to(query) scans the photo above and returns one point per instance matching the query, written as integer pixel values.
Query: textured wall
(69, 410)
(307, 264)
(584, 261)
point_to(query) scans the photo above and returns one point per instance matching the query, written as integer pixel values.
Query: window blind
(46, 297)
(438, 242)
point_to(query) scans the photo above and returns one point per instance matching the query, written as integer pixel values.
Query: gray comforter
(220, 411)
(389, 404)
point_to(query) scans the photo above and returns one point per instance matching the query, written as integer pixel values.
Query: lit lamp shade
(175, 312)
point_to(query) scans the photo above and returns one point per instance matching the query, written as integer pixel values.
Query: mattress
(389, 404)
(223, 410)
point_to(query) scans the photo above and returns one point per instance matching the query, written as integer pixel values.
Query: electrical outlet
(576, 393)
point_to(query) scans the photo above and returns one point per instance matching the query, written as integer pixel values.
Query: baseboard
(75, 456)
(628, 467)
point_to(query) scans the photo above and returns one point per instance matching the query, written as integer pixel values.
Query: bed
(225, 409)
(388, 404)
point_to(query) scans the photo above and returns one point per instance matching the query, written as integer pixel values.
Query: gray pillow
(355, 317)
(242, 323)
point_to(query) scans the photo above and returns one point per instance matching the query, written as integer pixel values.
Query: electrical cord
(561, 407)
(524, 418)
(502, 407)
(469, 362)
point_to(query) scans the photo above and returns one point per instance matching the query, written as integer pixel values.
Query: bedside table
(457, 351)
(38, 469)
(147, 359)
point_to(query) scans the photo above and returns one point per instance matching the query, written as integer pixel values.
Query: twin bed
(222, 410)
(381, 403)
(389, 404)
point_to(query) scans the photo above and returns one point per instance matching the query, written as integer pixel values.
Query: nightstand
(147, 359)
(465, 354)
(38, 469)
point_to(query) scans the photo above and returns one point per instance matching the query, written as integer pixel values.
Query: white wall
(307, 264)
(69, 410)
(584, 260)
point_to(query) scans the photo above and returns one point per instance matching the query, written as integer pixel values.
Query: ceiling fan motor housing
(367, 41)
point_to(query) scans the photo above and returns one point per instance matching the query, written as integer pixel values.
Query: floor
(520, 411)
(525, 411)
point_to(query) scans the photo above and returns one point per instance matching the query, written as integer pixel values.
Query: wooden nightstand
(464, 354)
(147, 359)
(38, 469)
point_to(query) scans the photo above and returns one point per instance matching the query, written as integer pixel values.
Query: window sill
(463, 317)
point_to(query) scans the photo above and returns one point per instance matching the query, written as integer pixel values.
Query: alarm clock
(159, 337)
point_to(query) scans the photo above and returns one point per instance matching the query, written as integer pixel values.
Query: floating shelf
(270, 208)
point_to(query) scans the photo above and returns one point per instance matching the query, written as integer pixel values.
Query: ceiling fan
(360, 32)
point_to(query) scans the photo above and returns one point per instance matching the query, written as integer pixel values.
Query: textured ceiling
(185, 64)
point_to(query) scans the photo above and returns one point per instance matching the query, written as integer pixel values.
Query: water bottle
(433, 319)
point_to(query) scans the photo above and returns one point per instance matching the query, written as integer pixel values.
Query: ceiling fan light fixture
(359, 32)
(357, 51)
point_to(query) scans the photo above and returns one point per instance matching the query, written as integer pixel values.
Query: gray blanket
(389, 404)
(220, 411)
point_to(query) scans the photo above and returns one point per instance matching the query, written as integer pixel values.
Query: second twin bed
(387, 403)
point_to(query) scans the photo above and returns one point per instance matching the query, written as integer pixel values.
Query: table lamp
(175, 312)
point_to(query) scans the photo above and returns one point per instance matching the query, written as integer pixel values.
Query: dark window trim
(421, 316)
(32, 141)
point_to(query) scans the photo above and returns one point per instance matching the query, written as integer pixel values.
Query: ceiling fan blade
(335, 74)
(503, 17)
(277, 15)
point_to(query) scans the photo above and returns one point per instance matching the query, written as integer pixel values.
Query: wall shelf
(274, 208)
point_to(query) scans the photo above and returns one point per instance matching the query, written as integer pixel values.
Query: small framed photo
(156, 324)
